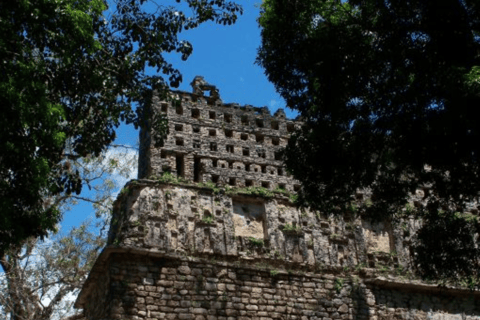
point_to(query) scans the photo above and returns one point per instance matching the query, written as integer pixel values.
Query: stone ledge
(418, 286)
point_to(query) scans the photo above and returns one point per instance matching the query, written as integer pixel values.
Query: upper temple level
(209, 140)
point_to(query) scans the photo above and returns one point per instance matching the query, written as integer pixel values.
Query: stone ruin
(209, 231)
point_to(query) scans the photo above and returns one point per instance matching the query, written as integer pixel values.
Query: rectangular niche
(249, 218)
(377, 236)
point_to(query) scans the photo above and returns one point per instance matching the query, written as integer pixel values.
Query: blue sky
(225, 57)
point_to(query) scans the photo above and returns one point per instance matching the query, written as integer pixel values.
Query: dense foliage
(389, 93)
(70, 71)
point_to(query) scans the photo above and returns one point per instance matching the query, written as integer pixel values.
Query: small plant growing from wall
(208, 219)
(168, 177)
(293, 198)
(256, 242)
(257, 191)
(310, 243)
(338, 284)
(125, 190)
(281, 190)
(352, 208)
(292, 228)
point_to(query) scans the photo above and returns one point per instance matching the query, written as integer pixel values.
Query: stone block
(185, 270)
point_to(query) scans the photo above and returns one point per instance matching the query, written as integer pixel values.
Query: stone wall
(212, 141)
(141, 284)
(198, 220)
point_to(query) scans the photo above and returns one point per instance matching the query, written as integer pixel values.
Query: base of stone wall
(145, 284)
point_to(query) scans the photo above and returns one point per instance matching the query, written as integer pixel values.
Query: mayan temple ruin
(209, 231)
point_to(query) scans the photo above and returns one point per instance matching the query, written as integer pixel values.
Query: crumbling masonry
(209, 232)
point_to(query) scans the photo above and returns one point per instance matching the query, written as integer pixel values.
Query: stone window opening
(259, 123)
(275, 141)
(212, 115)
(179, 110)
(280, 171)
(163, 154)
(214, 163)
(180, 164)
(179, 141)
(207, 214)
(230, 164)
(232, 181)
(244, 136)
(244, 120)
(230, 148)
(282, 186)
(256, 169)
(274, 125)
(212, 132)
(196, 129)
(196, 169)
(213, 146)
(264, 169)
(196, 144)
(228, 133)
(290, 127)
(296, 187)
(178, 127)
(195, 113)
(223, 165)
(278, 155)
(227, 117)
(246, 152)
(247, 167)
(272, 172)
(261, 154)
(218, 213)
(248, 183)
(259, 137)
(266, 184)
(215, 178)
(164, 107)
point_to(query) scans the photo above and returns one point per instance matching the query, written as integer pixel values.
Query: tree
(388, 92)
(70, 71)
(40, 279)
(39, 276)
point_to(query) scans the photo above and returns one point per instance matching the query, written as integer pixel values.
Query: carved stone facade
(208, 232)
(223, 143)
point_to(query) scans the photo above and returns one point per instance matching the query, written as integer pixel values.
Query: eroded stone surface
(198, 220)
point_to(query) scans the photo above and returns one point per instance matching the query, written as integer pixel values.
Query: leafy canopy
(389, 93)
(70, 71)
